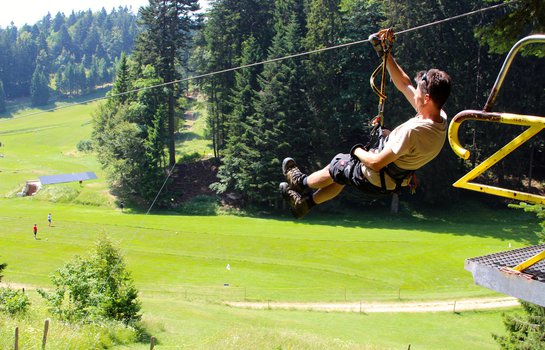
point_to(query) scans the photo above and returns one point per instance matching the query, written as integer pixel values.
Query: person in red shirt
(35, 229)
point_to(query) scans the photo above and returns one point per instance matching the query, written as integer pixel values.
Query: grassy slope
(179, 262)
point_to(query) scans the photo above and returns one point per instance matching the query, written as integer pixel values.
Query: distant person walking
(49, 219)
(35, 229)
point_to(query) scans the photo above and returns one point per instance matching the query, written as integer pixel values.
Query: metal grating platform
(487, 272)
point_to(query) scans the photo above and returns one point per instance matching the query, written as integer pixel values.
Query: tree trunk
(171, 141)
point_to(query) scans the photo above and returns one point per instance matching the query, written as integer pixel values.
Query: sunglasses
(424, 79)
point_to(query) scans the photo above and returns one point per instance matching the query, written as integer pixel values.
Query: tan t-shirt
(416, 142)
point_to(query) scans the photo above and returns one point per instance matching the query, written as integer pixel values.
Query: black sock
(304, 183)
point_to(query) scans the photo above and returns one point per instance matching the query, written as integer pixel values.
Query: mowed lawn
(180, 263)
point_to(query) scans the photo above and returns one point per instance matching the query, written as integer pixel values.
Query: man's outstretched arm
(401, 80)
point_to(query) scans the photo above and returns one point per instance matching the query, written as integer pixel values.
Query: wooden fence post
(152, 344)
(46, 329)
(16, 347)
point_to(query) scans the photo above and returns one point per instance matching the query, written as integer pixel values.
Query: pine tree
(122, 83)
(280, 122)
(526, 330)
(526, 17)
(230, 23)
(239, 150)
(39, 87)
(2, 98)
(322, 76)
(167, 34)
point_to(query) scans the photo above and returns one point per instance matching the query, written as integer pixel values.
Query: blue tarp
(55, 179)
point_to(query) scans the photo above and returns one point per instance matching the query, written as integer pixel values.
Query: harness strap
(397, 174)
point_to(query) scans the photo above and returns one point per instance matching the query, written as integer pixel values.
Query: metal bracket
(535, 125)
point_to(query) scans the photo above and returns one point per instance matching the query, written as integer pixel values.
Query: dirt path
(363, 306)
(12, 285)
(394, 307)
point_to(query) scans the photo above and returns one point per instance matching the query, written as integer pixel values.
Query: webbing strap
(396, 173)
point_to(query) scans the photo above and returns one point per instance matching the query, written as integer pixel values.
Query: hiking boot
(377, 44)
(298, 204)
(293, 175)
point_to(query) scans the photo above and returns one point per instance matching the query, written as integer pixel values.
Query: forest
(310, 106)
(63, 55)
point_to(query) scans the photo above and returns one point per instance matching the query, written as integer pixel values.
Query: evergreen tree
(323, 81)
(122, 83)
(167, 33)
(524, 17)
(280, 124)
(25, 55)
(235, 172)
(2, 98)
(39, 87)
(230, 23)
(526, 330)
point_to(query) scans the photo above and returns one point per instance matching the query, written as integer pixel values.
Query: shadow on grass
(473, 218)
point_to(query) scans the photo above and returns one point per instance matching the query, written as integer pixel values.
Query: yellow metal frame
(535, 124)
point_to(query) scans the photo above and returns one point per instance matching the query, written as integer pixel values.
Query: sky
(22, 12)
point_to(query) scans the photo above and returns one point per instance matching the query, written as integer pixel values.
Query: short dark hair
(436, 83)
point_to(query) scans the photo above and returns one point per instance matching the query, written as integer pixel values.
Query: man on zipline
(379, 172)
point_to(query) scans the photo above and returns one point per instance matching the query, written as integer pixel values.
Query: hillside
(193, 179)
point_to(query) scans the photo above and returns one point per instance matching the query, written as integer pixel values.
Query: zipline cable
(272, 60)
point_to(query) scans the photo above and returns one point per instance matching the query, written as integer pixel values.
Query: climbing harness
(383, 43)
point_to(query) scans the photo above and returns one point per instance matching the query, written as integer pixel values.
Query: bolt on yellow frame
(535, 125)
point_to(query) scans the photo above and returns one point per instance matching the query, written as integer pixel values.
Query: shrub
(13, 302)
(85, 146)
(95, 289)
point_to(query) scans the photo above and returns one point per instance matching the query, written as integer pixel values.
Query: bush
(13, 302)
(85, 146)
(95, 289)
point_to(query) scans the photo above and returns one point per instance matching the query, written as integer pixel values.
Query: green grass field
(179, 262)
